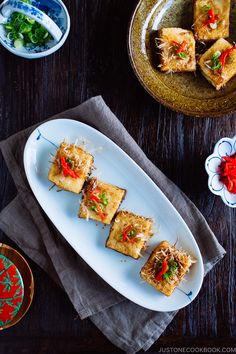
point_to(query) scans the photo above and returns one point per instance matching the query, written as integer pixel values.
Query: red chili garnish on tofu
(67, 171)
(227, 171)
(176, 43)
(164, 269)
(181, 46)
(95, 198)
(126, 232)
(212, 18)
(94, 195)
(100, 212)
(225, 55)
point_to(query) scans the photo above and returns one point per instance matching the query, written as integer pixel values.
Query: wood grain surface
(94, 61)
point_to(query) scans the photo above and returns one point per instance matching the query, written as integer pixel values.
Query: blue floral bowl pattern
(24, 6)
(224, 147)
(56, 10)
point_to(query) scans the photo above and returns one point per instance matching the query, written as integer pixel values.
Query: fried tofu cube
(166, 267)
(211, 63)
(211, 19)
(177, 50)
(129, 233)
(70, 167)
(101, 201)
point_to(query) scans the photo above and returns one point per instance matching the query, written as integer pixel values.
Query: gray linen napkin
(127, 325)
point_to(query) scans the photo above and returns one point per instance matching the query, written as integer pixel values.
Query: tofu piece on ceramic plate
(218, 63)
(129, 233)
(211, 19)
(70, 167)
(166, 267)
(177, 50)
(101, 201)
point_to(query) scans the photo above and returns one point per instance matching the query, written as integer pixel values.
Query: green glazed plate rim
(139, 62)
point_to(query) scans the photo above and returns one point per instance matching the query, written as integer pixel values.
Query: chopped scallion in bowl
(25, 31)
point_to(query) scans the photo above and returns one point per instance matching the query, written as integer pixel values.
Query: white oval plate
(88, 238)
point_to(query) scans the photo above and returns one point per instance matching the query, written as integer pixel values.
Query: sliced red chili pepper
(182, 47)
(212, 18)
(210, 21)
(128, 228)
(125, 233)
(96, 190)
(225, 55)
(176, 43)
(94, 197)
(67, 171)
(227, 171)
(100, 212)
(211, 13)
(164, 269)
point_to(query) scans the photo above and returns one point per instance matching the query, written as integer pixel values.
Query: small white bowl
(224, 147)
(56, 11)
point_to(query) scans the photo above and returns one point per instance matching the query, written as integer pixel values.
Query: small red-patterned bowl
(28, 283)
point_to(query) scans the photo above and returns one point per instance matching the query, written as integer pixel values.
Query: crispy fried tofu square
(211, 63)
(70, 167)
(177, 50)
(100, 201)
(129, 233)
(166, 267)
(211, 19)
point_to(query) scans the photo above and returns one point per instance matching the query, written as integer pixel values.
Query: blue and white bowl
(224, 147)
(52, 13)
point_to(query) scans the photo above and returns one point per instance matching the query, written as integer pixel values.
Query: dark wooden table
(94, 61)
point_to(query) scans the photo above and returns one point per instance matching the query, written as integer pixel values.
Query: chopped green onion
(216, 66)
(172, 269)
(104, 199)
(30, 20)
(101, 206)
(32, 38)
(18, 43)
(23, 30)
(11, 36)
(206, 8)
(94, 208)
(46, 35)
(71, 163)
(119, 237)
(215, 62)
(183, 55)
(166, 276)
(8, 26)
(216, 55)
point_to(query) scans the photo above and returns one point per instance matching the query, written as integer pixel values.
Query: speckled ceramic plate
(184, 92)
